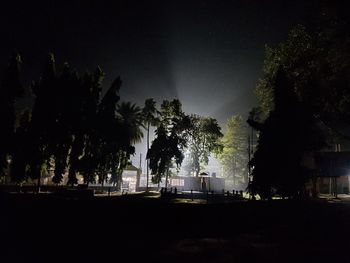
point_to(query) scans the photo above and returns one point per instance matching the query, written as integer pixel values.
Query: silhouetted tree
(203, 135)
(87, 164)
(127, 123)
(130, 117)
(170, 142)
(149, 113)
(66, 114)
(43, 120)
(317, 65)
(313, 68)
(164, 150)
(289, 131)
(110, 132)
(254, 118)
(81, 118)
(21, 149)
(11, 88)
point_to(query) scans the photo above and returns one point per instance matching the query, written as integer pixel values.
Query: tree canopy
(203, 134)
(289, 131)
(71, 128)
(169, 144)
(317, 65)
(304, 96)
(234, 155)
(11, 88)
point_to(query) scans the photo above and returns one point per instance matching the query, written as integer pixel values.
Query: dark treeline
(304, 107)
(72, 129)
(304, 102)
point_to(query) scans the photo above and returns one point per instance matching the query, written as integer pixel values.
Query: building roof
(333, 164)
(131, 167)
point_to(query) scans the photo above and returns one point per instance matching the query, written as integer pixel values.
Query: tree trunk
(234, 171)
(166, 178)
(147, 164)
(39, 180)
(88, 180)
(197, 171)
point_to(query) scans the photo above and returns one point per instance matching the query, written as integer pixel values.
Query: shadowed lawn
(36, 228)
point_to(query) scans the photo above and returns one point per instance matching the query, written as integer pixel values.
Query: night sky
(208, 54)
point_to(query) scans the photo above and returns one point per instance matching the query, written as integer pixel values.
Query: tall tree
(170, 142)
(87, 151)
(43, 119)
(79, 119)
(10, 89)
(313, 68)
(289, 131)
(203, 135)
(149, 113)
(234, 156)
(130, 117)
(66, 114)
(21, 150)
(130, 124)
(109, 131)
(317, 65)
(164, 151)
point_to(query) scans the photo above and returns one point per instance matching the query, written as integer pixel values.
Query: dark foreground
(125, 229)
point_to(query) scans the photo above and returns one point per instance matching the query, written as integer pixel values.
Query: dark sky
(208, 54)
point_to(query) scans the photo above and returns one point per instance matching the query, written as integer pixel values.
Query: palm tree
(149, 114)
(129, 123)
(130, 118)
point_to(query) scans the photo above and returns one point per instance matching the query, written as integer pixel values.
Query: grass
(144, 227)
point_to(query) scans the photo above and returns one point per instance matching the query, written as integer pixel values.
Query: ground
(43, 228)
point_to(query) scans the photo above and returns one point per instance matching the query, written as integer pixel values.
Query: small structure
(131, 178)
(332, 172)
(328, 172)
(204, 182)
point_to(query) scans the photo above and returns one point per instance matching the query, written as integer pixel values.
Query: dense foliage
(286, 135)
(234, 155)
(304, 96)
(71, 128)
(203, 135)
(11, 89)
(170, 142)
(317, 64)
